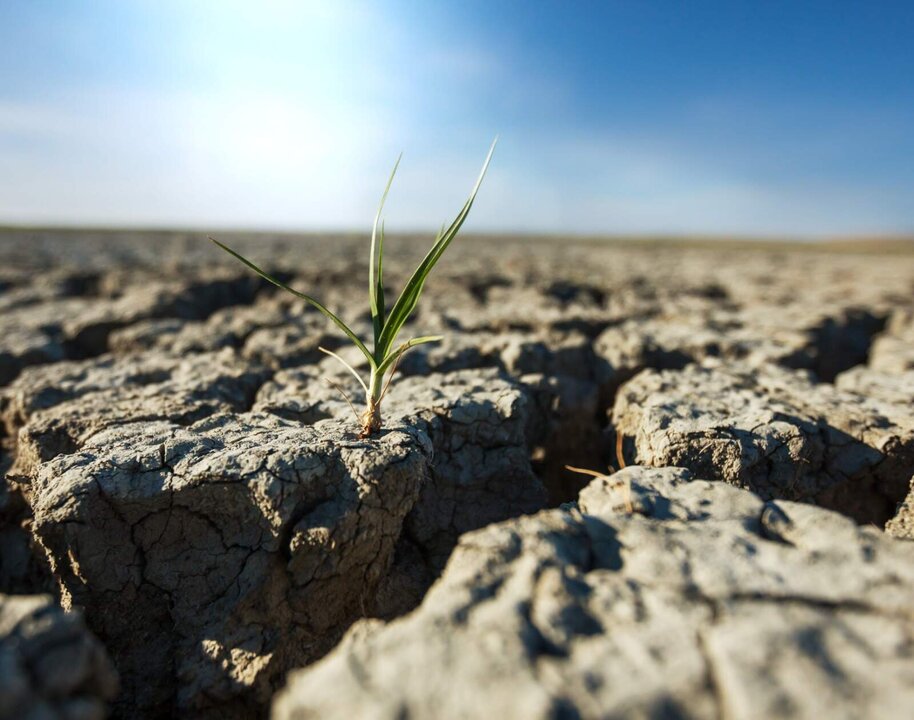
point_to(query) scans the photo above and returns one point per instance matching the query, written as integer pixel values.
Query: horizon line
(194, 228)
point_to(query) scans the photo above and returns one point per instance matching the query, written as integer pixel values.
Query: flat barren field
(635, 478)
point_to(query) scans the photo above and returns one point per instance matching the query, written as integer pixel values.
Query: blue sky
(684, 117)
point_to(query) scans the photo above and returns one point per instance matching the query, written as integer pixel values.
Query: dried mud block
(524, 308)
(455, 351)
(775, 432)
(51, 666)
(517, 353)
(212, 558)
(51, 328)
(54, 409)
(480, 473)
(664, 596)
(893, 350)
(883, 387)
(476, 422)
(794, 336)
(267, 333)
(292, 345)
(565, 381)
(23, 346)
(191, 298)
(902, 524)
(31, 317)
(659, 343)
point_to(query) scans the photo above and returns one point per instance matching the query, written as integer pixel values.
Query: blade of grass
(409, 297)
(376, 318)
(390, 359)
(381, 307)
(390, 377)
(280, 284)
(585, 471)
(346, 365)
(336, 386)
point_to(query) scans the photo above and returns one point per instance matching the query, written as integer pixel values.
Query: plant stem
(371, 418)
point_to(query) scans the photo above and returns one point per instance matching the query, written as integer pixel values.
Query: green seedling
(386, 324)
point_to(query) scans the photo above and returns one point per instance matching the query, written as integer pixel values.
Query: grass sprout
(386, 323)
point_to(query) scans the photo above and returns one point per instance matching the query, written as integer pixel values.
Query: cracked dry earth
(190, 526)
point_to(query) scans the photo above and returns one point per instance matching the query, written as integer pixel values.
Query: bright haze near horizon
(767, 118)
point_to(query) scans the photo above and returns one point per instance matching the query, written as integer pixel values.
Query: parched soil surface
(182, 472)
